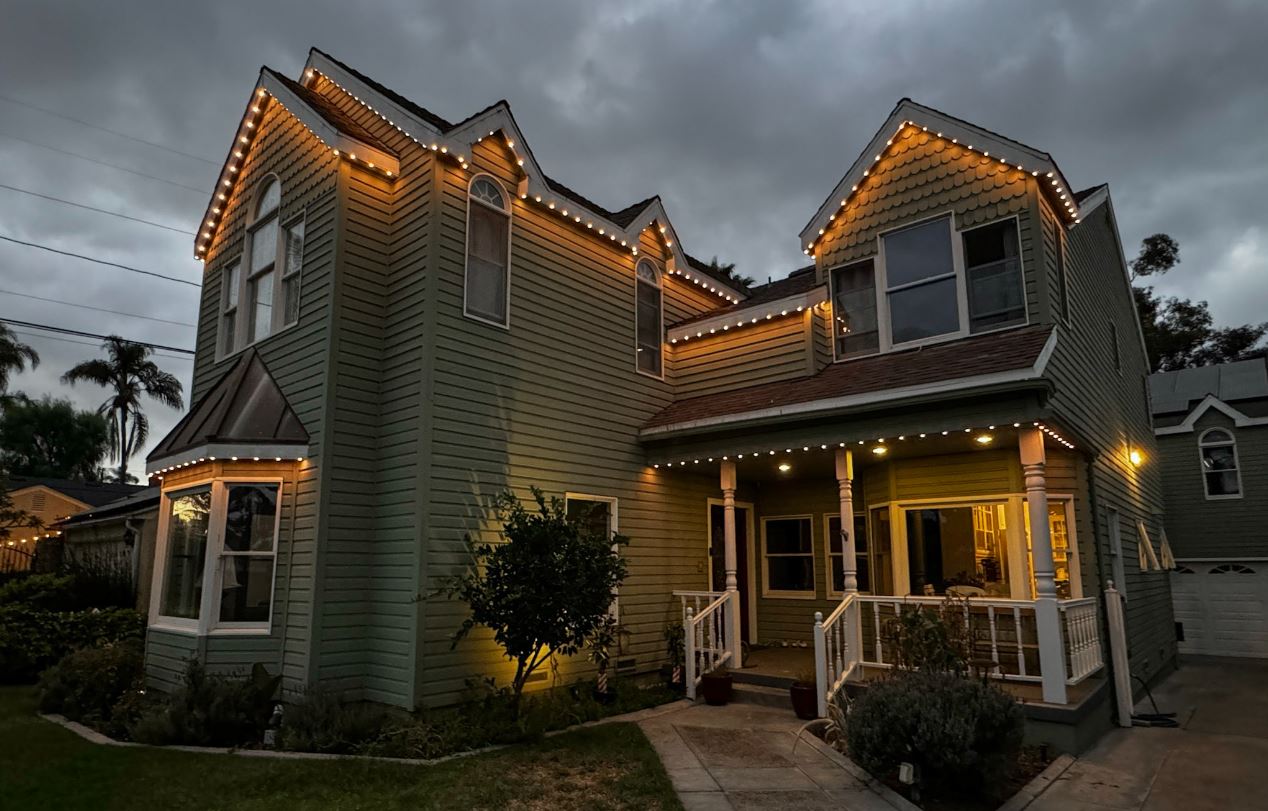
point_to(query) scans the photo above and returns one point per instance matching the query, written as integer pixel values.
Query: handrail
(1082, 635)
(706, 634)
(838, 649)
(697, 599)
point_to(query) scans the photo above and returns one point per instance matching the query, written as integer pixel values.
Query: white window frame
(1025, 299)
(784, 594)
(277, 324)
(283, 237)
(614, 610)
(1203, 444)
(225, 309)
(660, 343)
(832, 306)
(828, 554)
(208, 622)
(466, 249)
(884, 320)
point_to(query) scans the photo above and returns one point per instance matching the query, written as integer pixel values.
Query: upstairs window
(1221, 476)
(263, 260)
(992, 273)
(854, 310)
(293, 258)
(920, 280)
(488, 279)
(648, 318)
(229, 281)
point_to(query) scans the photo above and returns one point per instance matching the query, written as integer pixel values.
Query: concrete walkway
(742, 757)
(1218, 759)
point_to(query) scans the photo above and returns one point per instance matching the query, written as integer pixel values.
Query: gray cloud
(742, 116)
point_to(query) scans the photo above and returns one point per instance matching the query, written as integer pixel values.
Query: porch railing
(696, 600)
(837, 649)
(706, 636)
(1082, 633)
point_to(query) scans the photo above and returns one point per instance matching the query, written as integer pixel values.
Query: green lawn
(44, 766)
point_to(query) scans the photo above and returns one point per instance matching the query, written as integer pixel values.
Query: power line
(104, 163)
(98, 309)
(42, 337)
(106, 129)
(99, 261)
(94, 208)
(82, 334)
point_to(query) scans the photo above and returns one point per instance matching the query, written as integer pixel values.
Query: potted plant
(715, 686)
(804, 694)
(672, 672)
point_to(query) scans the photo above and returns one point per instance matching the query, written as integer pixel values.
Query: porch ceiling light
(880, 450)
(785, 467)
(983, 439)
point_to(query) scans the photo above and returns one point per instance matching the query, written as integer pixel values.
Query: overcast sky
(741, 116)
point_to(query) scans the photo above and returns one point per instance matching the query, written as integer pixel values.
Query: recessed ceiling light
(785, 467)
(983, 439)
(880, 450)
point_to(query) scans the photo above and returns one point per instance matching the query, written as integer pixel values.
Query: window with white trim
(247, 551)
(1221, 477)
(488, 276)
(788, 560)
(229, 281)
(920, 279)
(854, 326)
(262, 260)
(648, 318)
(992, 274)
(188, 523)
(293, 263)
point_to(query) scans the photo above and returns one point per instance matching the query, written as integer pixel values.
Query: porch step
(761, 679)
(747, 693)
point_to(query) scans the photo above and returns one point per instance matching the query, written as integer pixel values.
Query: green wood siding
(167, 656)
(762, 353)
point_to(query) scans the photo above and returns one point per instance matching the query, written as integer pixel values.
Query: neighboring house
(50, 501)
(403, 317)
(118, 534)
(1212, 427)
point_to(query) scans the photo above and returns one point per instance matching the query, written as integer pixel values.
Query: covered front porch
(815, 549)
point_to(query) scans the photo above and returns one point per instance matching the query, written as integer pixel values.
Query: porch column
(1047, 614)
(845, 489)
(732, 583)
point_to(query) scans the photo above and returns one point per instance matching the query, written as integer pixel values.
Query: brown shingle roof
(986, 354)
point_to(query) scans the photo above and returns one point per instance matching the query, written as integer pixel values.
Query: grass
(45, 766)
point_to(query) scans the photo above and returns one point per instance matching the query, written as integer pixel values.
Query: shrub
(48, 592)
(211, 710)
(930, 639)
(32, 639)
(962, 734)
(321, 721)
(85, 685)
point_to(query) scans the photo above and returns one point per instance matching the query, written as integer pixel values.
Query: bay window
(188, 519)
(247, 552)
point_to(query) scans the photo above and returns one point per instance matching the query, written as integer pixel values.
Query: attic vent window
(39, 501)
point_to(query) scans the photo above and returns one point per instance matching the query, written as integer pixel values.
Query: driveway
(1217, 759)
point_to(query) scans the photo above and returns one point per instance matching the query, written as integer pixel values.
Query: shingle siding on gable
(1198, 527)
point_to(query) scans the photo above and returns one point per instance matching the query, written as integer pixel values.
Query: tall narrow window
(229, 281)
(488, 252)
(246, 556)
(1220, 474)
(293, 263)
(854, 310)
(920, 282)
(262, 261)
(1063, 281)
(188, 519)
(648, 317)
(992, 271)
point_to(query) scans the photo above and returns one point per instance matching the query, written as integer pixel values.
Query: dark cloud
(742, 116)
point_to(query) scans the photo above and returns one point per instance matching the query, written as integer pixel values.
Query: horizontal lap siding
(167, 657)
(295, 356)
(762, 353)
(1199, 527)
(1108, 409)
(554, 401)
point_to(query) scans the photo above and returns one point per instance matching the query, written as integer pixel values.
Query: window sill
(239, 350)
(790, 595)
(486, 320)
(170, 626)
(263, 629)
(1236, 497)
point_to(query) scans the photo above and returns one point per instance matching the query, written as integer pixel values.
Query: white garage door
(1223, 607)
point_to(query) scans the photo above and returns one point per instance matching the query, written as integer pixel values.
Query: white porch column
(732, 582)
(1047, 615)
(845, 489)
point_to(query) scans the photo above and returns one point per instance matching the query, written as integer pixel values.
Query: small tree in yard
(545, 590)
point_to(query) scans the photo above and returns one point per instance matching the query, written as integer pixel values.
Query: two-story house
(1212, 428)
(403, 316)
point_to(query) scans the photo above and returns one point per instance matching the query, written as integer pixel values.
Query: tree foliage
(14, 356)
(546, 589)
(726, 270)
(11, 516)
(130, 374)
(1180, 333)
(49, 439)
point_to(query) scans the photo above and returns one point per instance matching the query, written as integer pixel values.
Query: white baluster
(990, 618)
(1017, 635)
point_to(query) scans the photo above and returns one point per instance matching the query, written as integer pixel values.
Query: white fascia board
(933, 121)
(746, 315)
(359, 90)
(957, 385)
(1209, 402)
(227, 451)
(328, 133)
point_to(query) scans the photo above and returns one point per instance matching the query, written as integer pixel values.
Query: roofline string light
(878, 449)
(36, 538)
(567, 211)
(206, 459)
(1063, 195)
(749, 321)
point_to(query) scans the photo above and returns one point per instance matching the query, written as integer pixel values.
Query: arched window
(263, 260)
(648, 318)
(488, 280)
(1232, 568)
(1220, 474)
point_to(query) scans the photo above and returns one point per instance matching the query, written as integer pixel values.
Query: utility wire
(106, 129)
(42, 337)
(82, 334)
(94, 208)
(99, 261)
(104, 163)
(98, 309)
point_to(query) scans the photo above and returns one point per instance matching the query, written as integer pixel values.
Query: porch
(814, 556)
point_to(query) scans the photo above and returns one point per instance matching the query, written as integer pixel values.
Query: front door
(717, 556)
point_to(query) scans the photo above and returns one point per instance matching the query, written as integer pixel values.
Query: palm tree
(14, 356)
(128, 370)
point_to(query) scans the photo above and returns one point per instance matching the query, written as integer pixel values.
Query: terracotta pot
(805, 700)
(716, 688)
